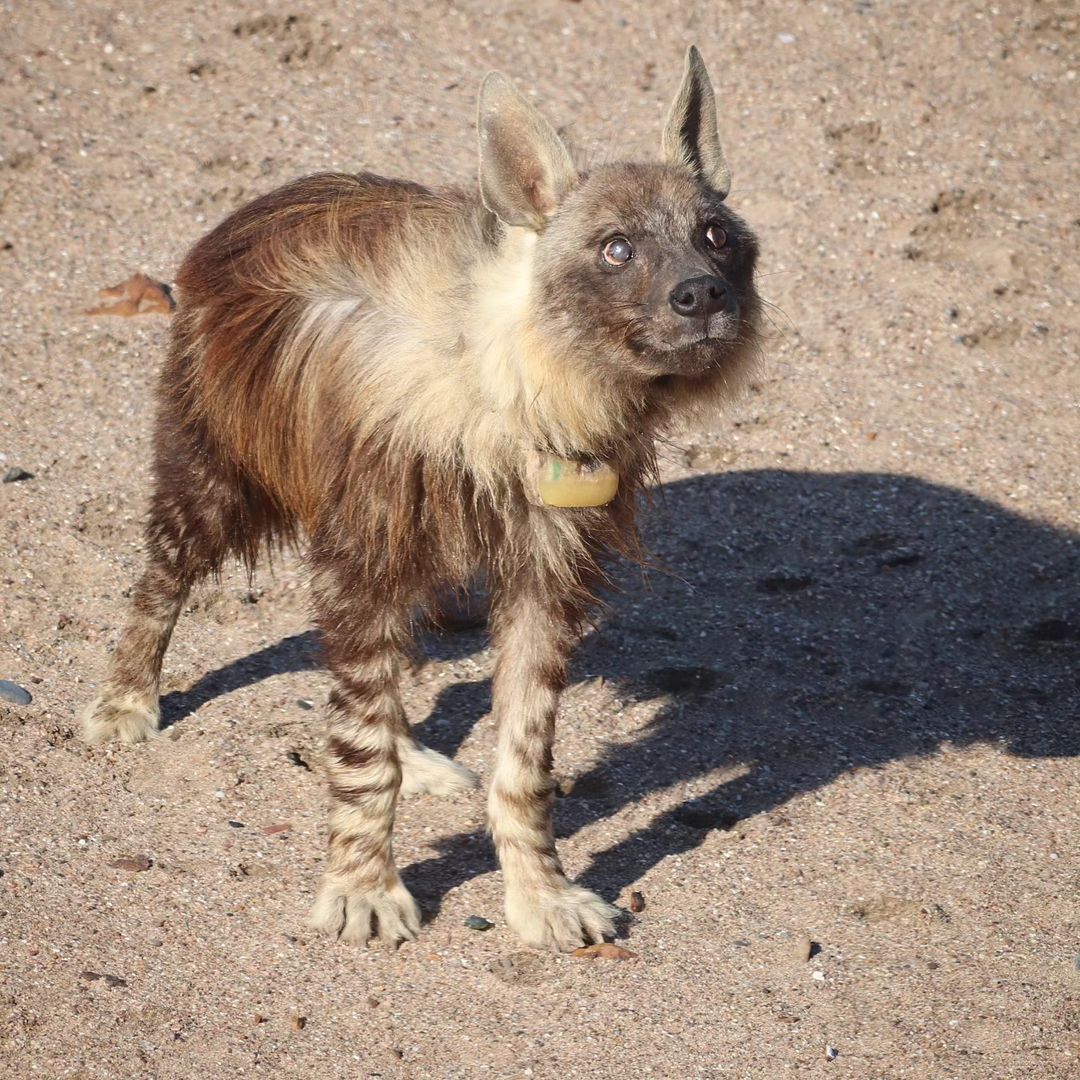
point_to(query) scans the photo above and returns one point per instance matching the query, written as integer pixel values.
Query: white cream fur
(474, 388)
(121, 717)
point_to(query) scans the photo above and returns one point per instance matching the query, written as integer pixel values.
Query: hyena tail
(202, 511)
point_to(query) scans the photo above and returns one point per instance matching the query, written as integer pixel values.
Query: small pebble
(305, 703)
(14, 693)
(637, 902)
(478, 922)
(273, 830)
(111, 981)
(818, 976)
(235, 824)
(135, 863)
(804, 947)
(830, 1053)
(298, 1023)
(15, 474)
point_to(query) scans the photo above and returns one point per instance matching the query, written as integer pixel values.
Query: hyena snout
(700, 297)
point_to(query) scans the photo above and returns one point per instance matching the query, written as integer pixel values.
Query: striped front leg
(534, 637)
(361, 893)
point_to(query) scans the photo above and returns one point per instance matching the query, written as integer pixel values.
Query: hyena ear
(690, 135)
(525, 170)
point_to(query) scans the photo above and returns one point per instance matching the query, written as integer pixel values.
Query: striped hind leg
(201, 510)
(126, 707)
(534, 633)
(190, 529)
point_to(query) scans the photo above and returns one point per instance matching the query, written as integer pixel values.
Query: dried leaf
(606, 950)
(139, 295)
(273, 830)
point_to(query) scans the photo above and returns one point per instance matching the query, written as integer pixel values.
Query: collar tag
(566, 483)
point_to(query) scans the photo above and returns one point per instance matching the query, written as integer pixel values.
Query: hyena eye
(618, 251)
(715, 236)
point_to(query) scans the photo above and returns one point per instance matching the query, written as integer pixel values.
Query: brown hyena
(422, 385)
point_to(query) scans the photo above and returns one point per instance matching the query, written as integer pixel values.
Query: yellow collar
(566, 483)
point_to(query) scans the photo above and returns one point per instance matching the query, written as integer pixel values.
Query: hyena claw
(356, 915)
(559, 918)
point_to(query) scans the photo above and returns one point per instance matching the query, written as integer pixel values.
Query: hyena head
(639, 268)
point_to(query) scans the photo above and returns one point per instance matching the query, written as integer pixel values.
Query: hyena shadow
(801, 625)
(798, 625)
(300, 652)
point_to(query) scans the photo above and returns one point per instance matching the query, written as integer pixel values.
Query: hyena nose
(699, 297)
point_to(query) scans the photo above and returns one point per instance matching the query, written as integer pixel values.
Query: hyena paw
(427, 772)
(559, 917)
(129, 717)
(356, 915)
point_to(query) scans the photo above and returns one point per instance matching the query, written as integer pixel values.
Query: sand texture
(832, 740)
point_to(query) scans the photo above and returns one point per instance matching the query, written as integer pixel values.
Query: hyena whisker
(776, 307)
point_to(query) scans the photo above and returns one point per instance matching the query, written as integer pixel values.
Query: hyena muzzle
(422, 385)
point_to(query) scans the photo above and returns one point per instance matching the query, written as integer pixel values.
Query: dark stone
(111, 981)
(886, 687)
(784, 583)
(682, 680)
(14, 693)
(697, 816)
(15, 474)
(903, 557)
(1053, 630)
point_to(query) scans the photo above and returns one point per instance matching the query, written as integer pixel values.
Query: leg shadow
(296, 653)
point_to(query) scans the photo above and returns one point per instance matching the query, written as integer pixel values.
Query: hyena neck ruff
(567, 424)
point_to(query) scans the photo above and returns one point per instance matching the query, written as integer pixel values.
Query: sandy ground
(844, 705)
